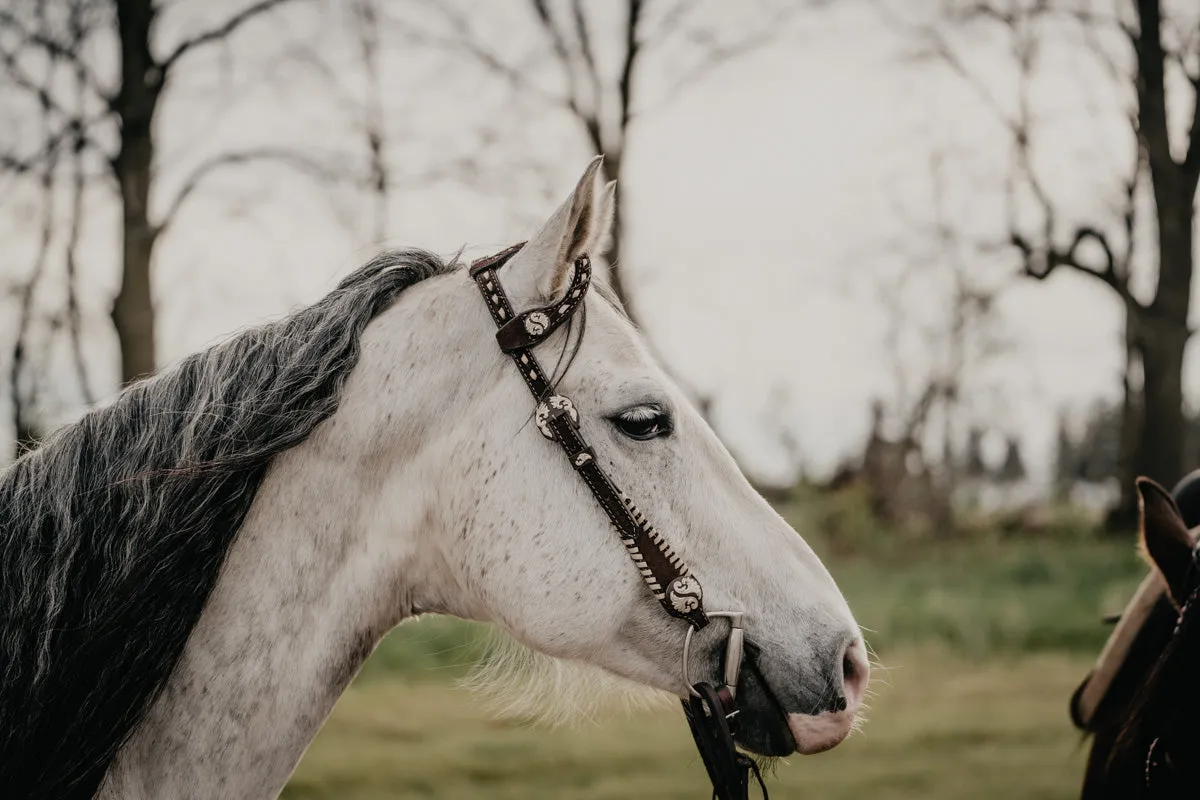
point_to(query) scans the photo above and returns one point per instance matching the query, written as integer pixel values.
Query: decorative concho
(537, 323)
(685, 594)
(582, 459)
(553, 403)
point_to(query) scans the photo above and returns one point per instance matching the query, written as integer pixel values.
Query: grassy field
(983, 642)
(940, 727)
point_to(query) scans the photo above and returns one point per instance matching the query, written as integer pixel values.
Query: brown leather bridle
(711, 709)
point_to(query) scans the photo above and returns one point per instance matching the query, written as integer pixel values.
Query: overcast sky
(767, 205)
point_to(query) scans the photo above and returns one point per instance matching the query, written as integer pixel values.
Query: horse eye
(643, 422)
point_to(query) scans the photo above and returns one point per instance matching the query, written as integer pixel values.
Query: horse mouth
(762, 724)
(766, 728)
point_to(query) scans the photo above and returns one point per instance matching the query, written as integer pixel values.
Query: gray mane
(113, 533)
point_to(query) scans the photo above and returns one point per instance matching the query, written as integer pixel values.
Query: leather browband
(668, 578)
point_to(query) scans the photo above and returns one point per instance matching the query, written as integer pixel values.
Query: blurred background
(925, 266)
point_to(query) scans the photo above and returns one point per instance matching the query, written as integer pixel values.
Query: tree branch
(58, 51)
(464, 40)
(19, 165)
(557, 43)
(366, 28)
(670, 21)
(75, 124)
(77, 32)
(584, 35)
(717, 54)
(632, 50)
(299, 161)
(25, 431)
(1040, 266)
(11, 64)
(219, 33)
(938, 47)
(1041, 261)
(589, 115)
(1129, 212)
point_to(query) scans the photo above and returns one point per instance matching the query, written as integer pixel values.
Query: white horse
(363, 462)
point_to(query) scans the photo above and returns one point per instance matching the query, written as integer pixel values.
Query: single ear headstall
(710, 711)
(669, 579)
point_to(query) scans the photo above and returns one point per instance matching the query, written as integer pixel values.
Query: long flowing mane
(113, 533)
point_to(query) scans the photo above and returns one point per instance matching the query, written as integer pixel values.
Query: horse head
(1139, 702)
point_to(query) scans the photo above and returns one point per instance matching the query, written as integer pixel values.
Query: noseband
(710, 710)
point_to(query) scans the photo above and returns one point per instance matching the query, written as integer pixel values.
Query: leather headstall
(710, 710)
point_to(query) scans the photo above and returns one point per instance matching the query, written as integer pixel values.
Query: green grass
(986, 599)
(983, 639)
(940, 727)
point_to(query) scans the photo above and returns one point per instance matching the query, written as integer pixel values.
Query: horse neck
(297, 609)
(328, 560)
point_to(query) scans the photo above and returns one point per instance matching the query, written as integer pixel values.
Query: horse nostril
(855, 674)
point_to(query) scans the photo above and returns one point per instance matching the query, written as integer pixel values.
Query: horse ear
(601, 268)
(604, 220)
(541, 270)
(1164, 537)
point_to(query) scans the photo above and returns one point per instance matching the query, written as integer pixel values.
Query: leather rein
(710, 710)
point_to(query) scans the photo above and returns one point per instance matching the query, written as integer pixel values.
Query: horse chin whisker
(519, 683)
(768, 765)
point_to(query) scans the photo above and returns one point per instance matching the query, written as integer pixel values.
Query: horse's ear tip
(1146, 485)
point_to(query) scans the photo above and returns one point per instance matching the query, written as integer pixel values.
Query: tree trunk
(1160, 330)
(136, 103)
(133, 310)
(1129, 455)
(1161, 453)
(1157, 428)
(1165, 331)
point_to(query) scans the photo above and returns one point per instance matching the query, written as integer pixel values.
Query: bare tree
(960, 339)
(365, 18)
(682, 40)
(23, 388)
(76, 32)
(955, 337)
(1155, 63)
(21, 394)
(115, 122)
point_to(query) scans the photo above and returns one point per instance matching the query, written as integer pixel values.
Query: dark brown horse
(1141, 702)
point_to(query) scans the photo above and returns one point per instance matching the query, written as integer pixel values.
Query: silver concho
(537, 323)
(553, 403)
(685, 594)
